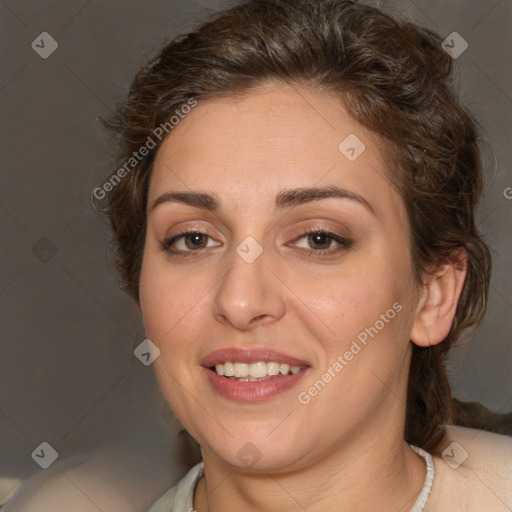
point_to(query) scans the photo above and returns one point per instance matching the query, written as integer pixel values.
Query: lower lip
(256, 391)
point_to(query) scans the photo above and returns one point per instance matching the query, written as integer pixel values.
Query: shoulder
(60, 485)
(473, 471)
(484, 451)
(180, 497)
(108, 479)
(166, 502)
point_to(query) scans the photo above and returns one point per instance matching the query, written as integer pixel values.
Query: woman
(294, 214)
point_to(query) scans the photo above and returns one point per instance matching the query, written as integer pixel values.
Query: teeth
(258, 370)
(245, 372)
(273, 368)
(229, 369)
(241, 370)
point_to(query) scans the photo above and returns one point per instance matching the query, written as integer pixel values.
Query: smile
(252, 372)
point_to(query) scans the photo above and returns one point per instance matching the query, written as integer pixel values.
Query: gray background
(68, 374)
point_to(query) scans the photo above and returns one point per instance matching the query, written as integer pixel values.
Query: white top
(181, 497)
(473, 473)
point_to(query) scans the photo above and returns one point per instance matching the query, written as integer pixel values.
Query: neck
(380, 473)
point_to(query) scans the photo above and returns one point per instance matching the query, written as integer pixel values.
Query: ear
(438, 301)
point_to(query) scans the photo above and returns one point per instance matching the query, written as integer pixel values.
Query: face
(297, 253)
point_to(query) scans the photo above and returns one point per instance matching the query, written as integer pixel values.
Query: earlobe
(438, 301)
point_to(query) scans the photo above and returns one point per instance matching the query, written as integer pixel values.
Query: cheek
(169, 299)
(172, 312)
(362, 315)
(351, 300)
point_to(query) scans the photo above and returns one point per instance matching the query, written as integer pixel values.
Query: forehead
(249, 147)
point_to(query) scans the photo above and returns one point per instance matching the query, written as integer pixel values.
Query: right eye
(188, 241)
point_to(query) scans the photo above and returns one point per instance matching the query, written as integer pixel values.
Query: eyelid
(320, 226)
(342, 242)
(180, 234)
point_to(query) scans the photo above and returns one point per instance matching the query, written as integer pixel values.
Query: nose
(249, 294)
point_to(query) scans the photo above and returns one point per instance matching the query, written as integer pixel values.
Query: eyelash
(344, 243)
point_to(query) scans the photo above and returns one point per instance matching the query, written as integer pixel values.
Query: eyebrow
(285, 198)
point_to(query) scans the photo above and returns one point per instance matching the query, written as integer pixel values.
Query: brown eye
(322, 243)
(190, 241)
(320, 240)
(195, 240)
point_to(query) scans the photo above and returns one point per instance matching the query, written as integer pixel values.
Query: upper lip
(249, 355)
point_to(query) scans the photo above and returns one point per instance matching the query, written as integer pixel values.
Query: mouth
(252, 375)
(258, 371)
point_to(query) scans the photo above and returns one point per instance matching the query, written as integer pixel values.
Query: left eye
(323, 240)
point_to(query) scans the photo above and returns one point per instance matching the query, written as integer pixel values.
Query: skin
(348, 441)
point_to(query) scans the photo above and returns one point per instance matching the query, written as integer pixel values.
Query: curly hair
(393, 76)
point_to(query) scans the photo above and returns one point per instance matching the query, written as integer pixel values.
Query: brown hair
(394, 78)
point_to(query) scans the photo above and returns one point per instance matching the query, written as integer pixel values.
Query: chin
(256, 454)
